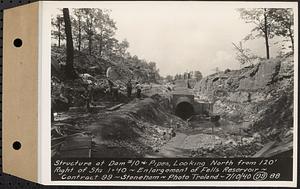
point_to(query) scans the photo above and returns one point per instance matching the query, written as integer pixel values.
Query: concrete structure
(185, 106)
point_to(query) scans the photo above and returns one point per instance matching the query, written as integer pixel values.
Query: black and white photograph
(172, 80)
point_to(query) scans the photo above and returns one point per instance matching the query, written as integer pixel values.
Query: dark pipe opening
(184, 110)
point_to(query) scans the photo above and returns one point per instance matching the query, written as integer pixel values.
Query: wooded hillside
(83, 41)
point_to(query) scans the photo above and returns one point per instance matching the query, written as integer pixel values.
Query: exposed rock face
(261, 95)
(246, 79)
(260, 76)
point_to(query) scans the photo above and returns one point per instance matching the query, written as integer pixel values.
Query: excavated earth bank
(255, 105)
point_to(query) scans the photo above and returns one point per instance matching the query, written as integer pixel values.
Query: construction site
(240, 113)
(108, 103)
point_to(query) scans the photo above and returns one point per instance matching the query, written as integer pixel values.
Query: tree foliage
(263, 25)
(77, 23)
(93, 35)
(58, 28)
(268, 23)
(283, 19)
(256, 16)
(169, 78)
(178, 77)
(244, 55)
(198, 75)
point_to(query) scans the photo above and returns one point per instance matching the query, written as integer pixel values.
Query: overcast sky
(183, 36)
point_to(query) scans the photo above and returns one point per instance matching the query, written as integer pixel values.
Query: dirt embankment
(137, 128)
(259, 97)
(255, 105)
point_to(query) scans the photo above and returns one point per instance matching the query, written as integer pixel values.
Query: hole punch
(18, 42)
(17, 145)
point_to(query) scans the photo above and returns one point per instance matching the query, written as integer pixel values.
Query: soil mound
(140, 126)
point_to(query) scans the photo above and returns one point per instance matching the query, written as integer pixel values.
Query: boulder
(257, 137)
(260, 76)
(240, 96)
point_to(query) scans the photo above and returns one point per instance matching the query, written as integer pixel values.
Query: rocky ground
(255, 105)
(258, 99)
(142, 126)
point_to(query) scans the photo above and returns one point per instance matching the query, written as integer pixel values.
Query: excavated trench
(146, 128)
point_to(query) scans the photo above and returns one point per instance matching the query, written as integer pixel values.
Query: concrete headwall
(185, 106)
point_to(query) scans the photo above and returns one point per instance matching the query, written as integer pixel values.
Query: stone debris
(252, 117)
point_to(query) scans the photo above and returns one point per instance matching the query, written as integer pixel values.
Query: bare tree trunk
(90, 35)
(79, 34)
(292, 38)
(101, 43)
(100, 49)
(69, 69)
(266, 34)
(59, 32)
(90, 44)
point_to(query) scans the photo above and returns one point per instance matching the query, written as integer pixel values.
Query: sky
(184, 36)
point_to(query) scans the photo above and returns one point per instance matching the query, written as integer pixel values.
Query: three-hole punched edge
(17, 43)
(16, 145)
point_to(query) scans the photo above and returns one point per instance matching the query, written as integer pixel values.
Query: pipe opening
(184, 110)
